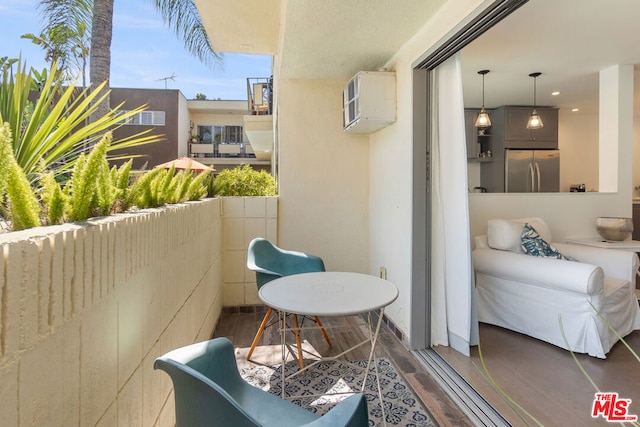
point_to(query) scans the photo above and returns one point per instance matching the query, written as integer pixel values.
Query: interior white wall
(323, 175)
(636, 155)
(616, 125)
(568, 214)
(473, 175)
(578, 144)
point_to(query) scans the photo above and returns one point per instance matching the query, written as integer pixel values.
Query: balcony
(87, 307)
(258, 124)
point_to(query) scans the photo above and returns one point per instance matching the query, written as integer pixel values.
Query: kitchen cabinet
(509, 131)
(516, 134)
(478, 141)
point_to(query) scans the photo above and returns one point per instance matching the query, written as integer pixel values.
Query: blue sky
(143, 51)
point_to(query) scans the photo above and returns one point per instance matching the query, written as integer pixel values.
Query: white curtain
(452, 297)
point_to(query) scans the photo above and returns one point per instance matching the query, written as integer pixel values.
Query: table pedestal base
(372, 338)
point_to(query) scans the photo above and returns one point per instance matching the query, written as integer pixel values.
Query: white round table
(328, 293)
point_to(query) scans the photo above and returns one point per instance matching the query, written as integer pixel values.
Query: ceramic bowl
(614, 228)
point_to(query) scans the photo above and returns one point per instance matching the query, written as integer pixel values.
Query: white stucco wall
(85, 310)
(391, 188)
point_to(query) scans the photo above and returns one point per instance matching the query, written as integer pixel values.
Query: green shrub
(244, 181)
(161, 186)
(90, 188)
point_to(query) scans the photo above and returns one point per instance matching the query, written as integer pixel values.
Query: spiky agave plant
(54, 130)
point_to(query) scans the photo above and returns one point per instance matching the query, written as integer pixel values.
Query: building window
(147, 118)
(220, 134)
(233, 134)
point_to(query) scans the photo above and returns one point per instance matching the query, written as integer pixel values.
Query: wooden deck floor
(240, 328)
(542, 378)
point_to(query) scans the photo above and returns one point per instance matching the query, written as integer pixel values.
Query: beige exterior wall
(85, 310)
(323, 175)
(184, 133)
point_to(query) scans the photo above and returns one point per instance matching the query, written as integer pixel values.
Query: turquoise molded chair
(209, 391)
(270, 262)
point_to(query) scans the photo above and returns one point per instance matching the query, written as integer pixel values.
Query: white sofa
(530, 294)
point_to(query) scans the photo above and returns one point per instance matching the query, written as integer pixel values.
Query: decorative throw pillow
(533, 244)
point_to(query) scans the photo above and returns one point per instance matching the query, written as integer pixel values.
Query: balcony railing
(221, 150)
(260, 95)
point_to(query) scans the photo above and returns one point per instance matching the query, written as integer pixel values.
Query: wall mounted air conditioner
(369, 101)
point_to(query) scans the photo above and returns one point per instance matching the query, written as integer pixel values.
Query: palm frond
(64, 13)
(183, 18)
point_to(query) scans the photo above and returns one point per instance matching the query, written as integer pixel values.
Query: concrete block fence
(244, 218)
(85, 308)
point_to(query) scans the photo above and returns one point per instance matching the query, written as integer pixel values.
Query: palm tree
(68, 47)
(180, 15)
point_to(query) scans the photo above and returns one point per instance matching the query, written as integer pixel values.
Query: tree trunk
(100, 53)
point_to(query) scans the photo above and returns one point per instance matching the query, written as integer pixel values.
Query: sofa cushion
(533, 244)
(506, 234)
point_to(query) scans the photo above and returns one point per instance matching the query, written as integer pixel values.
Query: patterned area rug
(400, 405)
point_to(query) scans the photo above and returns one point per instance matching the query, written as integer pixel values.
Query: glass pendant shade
(535, 121)
(483, 120)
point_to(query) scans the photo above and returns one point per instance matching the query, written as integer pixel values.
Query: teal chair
(209, 391)
(270, 262)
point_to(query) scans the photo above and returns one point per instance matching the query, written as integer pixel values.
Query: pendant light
(483, 120)
(535, 121)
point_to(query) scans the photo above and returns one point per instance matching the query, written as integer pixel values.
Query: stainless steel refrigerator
(532, 171)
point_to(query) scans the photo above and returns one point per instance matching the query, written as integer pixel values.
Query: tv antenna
(171, 77)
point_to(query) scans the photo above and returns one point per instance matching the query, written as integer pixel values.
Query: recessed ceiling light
(574, 110)
(556, 93)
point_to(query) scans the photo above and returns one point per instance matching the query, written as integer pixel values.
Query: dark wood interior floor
(240, 328)
(545, 380)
